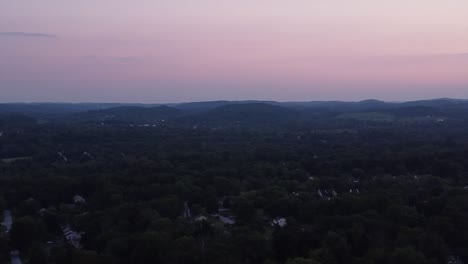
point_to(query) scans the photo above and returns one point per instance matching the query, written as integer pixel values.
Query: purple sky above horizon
(156, 51)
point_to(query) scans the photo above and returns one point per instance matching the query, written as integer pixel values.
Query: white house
(229, 220)
(201, 218)
(63, 156)
(71, 236)
(334, 193)
(281, 222)
(42, 211)
(77, 199)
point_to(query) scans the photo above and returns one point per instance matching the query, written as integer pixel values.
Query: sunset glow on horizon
(175, 50)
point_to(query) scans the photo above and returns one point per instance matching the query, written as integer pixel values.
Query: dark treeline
(253, 183)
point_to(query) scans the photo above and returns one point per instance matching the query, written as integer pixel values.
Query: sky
(157, 51)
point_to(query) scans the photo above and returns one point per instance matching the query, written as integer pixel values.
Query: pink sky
(189, 50)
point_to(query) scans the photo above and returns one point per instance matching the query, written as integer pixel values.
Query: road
(7, 220)
(15, 259)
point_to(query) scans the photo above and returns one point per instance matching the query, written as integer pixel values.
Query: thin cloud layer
(111, 58)
(27, 35)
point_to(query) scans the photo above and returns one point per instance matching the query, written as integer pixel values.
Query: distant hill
(248, 113)
(373, 103)
(440, 102)
(234, 111)
(56, 110)
(132, 114)
(209, 105)
(200, 106)
(340, 105)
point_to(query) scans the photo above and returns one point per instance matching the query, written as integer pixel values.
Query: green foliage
(27, 230)
(392, 192)
(301, 261)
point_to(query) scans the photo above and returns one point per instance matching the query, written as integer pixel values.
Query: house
(335, 194)
(62, 156)
(281, 222)
(454, 260)
(228, 220)
(42, 211)
(201, 218)
(71, 236)
(77, 199)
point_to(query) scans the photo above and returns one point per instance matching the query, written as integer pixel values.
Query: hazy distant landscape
(240, 111)
(235, 182)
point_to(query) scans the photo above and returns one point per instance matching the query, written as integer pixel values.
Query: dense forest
(235, 182)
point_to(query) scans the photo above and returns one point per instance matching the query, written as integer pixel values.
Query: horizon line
(244, 100)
